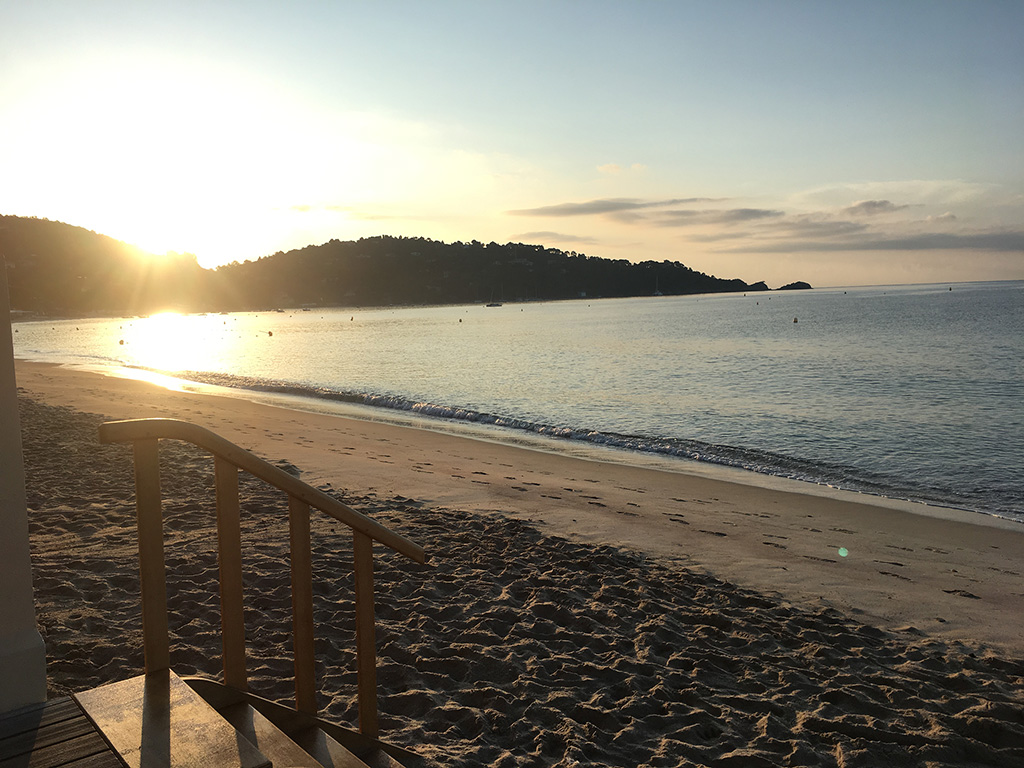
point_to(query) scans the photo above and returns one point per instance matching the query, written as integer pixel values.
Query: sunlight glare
(172, 342)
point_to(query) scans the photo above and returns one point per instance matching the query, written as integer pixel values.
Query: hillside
(58, 269)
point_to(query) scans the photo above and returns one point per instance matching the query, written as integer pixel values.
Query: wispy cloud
(614, 169)
(850, 224)
(546, 236)
(685, 218)
(1003, 241)
(787, 227)
(938, 192)
(606, 206)
(872, 207)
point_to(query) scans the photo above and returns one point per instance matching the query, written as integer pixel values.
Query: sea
(904, 392)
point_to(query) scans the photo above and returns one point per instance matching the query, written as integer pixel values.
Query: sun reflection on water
(169, 341)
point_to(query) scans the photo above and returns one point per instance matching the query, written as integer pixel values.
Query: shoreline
(540, 442)
(945, 573)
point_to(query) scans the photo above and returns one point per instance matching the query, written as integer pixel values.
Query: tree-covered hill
(56, 268)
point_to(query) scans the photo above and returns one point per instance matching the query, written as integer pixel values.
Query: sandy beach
(574, 612)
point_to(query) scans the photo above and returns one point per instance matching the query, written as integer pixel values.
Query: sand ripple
(511, 648)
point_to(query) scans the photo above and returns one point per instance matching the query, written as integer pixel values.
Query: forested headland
(59, 269)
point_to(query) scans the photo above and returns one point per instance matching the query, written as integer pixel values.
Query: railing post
(229, 555)
(151, 555)
(302, 606)
(366, 650)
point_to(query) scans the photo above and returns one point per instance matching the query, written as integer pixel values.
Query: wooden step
(332, 746)
(157, 721)
(268, 738)
(327, 751)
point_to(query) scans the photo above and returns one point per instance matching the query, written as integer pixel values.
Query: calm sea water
(908, 392)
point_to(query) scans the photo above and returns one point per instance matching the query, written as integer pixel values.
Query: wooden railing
(144, 434)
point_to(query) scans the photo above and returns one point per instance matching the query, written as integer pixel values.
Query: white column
(22, 653)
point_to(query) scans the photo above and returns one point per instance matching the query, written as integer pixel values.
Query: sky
(864, 143)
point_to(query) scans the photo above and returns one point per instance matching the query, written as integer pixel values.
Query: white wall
(22, 654)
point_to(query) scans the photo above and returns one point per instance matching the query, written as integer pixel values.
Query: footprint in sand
(961, 593)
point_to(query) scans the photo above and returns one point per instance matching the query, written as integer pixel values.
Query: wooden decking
(53, 735)
(159, 720)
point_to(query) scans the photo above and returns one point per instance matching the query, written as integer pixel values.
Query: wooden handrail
(228, 460)
(173, 429)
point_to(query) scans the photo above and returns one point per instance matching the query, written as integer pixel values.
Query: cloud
(605, 206)
(786, 227)
(727, 216)
(871, 224)
(546, 236)
(743, 214)
(999, 241)
(872, 207)
(936, 192)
